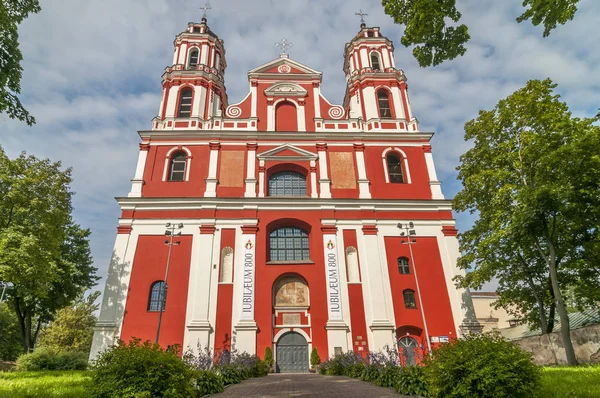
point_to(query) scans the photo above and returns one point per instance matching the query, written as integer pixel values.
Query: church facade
(290, 222)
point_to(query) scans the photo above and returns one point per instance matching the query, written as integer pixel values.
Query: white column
(370, 103)
(363, 182)
(198, 328)
(254, 100)
(172, 101)
(204, 54)
(199, 100)
(364, 57)
(301, 116)
(112, 310)
(261, 179)
(183, 54)
(323, 175)
(313, 179)
(211, 181)
(317, 100)
(386, 57)
(381, 327)
(270, 115)
(138, 180)
(434, 184)
(245, 329)
(398, 105)
(251, 171)
(336, 326)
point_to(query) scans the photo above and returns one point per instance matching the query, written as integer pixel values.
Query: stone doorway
(292, 353)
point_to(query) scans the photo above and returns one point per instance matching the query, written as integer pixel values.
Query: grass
(565, 382)
(51, 384)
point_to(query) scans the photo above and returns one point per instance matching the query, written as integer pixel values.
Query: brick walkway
(306, 385)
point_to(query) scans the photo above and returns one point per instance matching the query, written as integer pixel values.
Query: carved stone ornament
(284, 69)
(286, 90)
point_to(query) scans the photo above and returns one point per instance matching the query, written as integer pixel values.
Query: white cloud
(92, 77)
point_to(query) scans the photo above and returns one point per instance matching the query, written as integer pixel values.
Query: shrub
(141, 369)
(371, 372)
(412, 381)
(355, 370)
(315, 359)
(230, 374)
(207, 382)
(49, 359)
(268, 358)
(481, 366)
(389, 376)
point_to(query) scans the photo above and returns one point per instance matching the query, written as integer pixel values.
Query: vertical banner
(334, 301)
(248, 277)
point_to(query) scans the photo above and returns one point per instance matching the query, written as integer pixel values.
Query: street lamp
(162, 296)
(409, 237)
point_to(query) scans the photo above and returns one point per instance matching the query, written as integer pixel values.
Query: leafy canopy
(12, 13)
(426, 24)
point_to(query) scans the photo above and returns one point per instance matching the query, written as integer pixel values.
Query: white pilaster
(211, 181)
(386, 58)
(370, 103)
(313, 179)
(434, 184)
(204, 54)
(251, 171)
(183, 54)
(245, 329)
(364, 57)
(323, 174)
(138, 180)
(398, 106)
(317, 100)
(199, 100)
(301, 117)
(253, 101)
(270, 116)
(261, 179)
(112, 310)
(172, 101)
(363, 182)
(198, 327)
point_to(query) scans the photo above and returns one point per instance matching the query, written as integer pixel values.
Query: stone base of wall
(549, 349)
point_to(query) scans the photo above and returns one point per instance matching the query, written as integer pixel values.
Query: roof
(576, 320)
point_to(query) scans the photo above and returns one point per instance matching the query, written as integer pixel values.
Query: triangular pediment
(284, 66)
(287, 152)
(286, 89)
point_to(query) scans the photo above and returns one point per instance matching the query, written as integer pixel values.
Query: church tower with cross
(283, 220)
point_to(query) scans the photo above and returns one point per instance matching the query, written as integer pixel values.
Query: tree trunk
(552, 313)
(565, 328)
(22, 327)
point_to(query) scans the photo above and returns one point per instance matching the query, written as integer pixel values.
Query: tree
(533, 177)
(12, 13)
(44, 256)
(10, 339)
(425, 24)
(73, 326)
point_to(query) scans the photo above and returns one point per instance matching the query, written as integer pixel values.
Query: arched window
(288, 244)
(287, 183)
(394, 165)
(409, 298)
(290, 291)
(403, 267)
(407, 347)
(185, 103)
(177, 167)
(375, 64)
(383, 101)
(193, 62)
(158, 291)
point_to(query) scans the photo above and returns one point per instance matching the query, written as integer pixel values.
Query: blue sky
(92, 77)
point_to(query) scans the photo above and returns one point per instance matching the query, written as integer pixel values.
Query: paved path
(306, 385)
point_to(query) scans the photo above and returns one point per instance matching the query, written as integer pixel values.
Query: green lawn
(564, 382)
(63, 384)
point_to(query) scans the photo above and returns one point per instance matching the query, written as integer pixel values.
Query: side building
(289, 210)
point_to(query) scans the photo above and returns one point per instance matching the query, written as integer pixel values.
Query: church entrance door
(292, 353)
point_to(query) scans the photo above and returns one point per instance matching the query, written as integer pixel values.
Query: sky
(93, 71)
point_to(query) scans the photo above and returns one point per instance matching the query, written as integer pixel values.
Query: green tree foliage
(315, 359)
(533, 178)
(49, 359)
(10, 339)
(425, 27)
(72, 328)
(268, 358)
(12, 13)
(44, 257)
(482, 366)
(425, 24)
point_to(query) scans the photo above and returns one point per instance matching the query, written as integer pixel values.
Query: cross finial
(362, 16)
(285, 44)
(205, 8)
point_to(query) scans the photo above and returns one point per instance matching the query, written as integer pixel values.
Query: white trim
(188, 162)
(286, 330)
(271, 154)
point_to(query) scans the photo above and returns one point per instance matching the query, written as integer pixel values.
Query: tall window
(403, 267)
(289, 244)
(185, 103)
(157, 291)
(193, 59)
(375, 62)
(409, 299)
(407, 347)
(177, 167)
(394, 164)
(287, 183)
(383, 100)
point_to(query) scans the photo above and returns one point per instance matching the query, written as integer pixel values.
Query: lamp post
(410, 234)
(162, 297)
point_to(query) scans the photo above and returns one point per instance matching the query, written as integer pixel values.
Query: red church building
(285, 211)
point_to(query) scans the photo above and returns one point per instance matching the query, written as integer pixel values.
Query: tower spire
(285, 44)
(205, 8)
(362, 16)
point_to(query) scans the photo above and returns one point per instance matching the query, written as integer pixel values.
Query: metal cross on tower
(285, 44)
(205, 8)
(362, 16)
